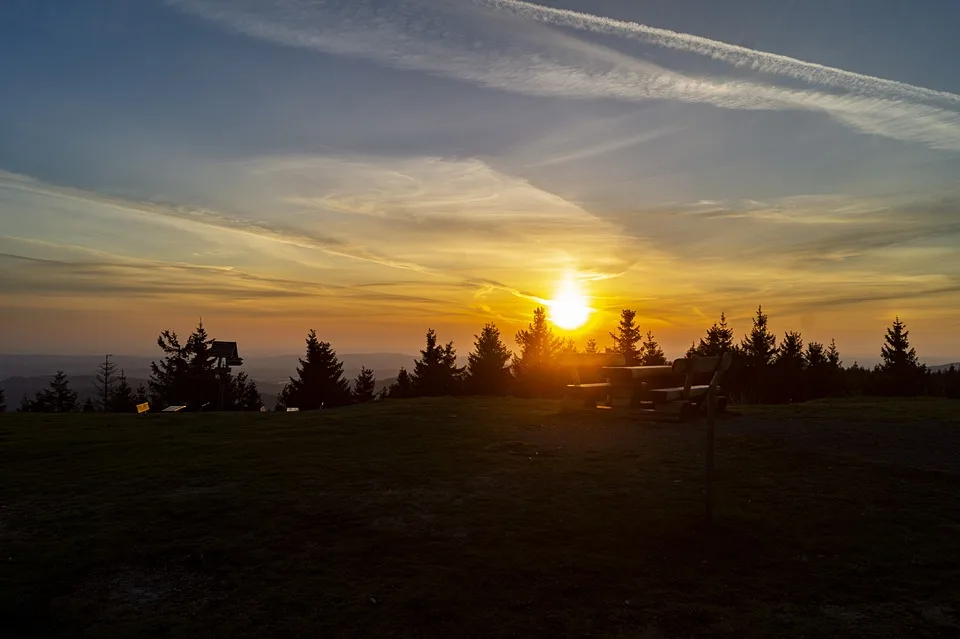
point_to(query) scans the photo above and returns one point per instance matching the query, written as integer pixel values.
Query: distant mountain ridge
(945, 367)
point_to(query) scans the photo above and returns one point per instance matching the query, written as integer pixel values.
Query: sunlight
(569, 309)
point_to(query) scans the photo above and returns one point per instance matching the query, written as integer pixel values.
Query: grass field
(481, 518)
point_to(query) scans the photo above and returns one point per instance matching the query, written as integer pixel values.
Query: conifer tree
(104, 383)
(817, 370)
(719, 340)
(436, 373)
(536, 366)
(627, 337)
(3, 401)
(203, 379)
(760, 346)
(488, 368)
(650, 352)
(833, 356)
(901, 371)
(319, 381)
(60, 397)
(789, 367)
(402, 388)
(244, 394)
(363, 386)
(88, 406)
(141, 396)
(168, 377)
(122, 400)
(591, 346)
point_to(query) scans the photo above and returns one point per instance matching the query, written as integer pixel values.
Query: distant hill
(944, 367)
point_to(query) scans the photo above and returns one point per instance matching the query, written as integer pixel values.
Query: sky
(374, 168)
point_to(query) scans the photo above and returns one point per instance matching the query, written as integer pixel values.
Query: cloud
(469, 41)
(737, 56)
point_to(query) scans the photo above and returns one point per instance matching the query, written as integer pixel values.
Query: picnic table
(669, 388)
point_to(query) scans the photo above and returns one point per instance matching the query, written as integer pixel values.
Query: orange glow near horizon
(569, 308)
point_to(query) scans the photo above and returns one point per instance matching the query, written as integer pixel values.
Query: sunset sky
(373, 168)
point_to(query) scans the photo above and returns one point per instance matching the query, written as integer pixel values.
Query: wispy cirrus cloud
(497, 44)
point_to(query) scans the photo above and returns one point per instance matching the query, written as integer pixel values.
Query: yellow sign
(144, 407)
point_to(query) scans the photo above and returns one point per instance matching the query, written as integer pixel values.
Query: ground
(482, 518)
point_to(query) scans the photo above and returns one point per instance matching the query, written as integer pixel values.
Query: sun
(569, 309)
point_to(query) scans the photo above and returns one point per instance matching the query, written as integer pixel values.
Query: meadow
(463, 517)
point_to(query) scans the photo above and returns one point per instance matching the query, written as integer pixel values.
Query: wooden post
(711, 423)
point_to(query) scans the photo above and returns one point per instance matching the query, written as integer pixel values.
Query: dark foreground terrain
(473, 518)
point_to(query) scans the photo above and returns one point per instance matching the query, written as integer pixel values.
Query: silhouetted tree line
(791, 371)
(764, 371)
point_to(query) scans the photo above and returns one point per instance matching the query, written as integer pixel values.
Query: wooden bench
(588, 380)
(689, 397)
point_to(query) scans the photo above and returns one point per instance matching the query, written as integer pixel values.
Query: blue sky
(372, 168)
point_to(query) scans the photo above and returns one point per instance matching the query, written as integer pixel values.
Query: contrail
(737, 56)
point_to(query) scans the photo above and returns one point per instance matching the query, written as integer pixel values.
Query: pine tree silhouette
(168, 377)
(320, 381)
(104, 383)
(122, 400)
(244, 394)
(591, 346)
(536, 367)
(760, 346)
(719, 340)
(402, 388)
(627, 336)
(789, 367)
(436, 372)
(61, 398)
(363, 386)
(650, 352)
(901, 372)
(488, 368)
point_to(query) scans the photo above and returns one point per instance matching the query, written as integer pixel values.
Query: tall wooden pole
(711, 427)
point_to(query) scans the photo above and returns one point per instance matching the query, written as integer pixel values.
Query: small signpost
(142, 408)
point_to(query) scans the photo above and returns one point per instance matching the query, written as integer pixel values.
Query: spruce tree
(436, 372)
(244, 394)
(833, 356)
(319, 381)
(168, 377)
(122, 400)
(61, 398)
(88, 406)
(650, 352)
(488, 366)
(402, 388)
(719, 340)
(591, 346)
(203, 379)
(627, 337)
(363, 386)
(789, 367)
(817, 371)
(760, 346)
(104, 383)
(141, 396)
(901, 371)
(536, 367)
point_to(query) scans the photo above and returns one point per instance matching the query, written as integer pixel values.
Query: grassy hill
(479, 518)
